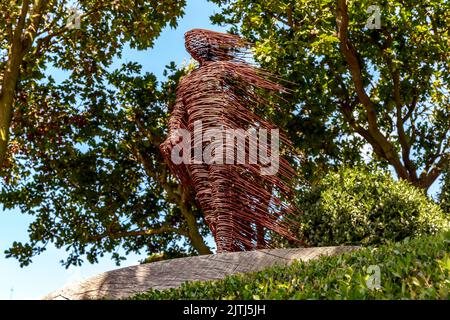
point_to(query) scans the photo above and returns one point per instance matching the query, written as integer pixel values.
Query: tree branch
(21, 22)
(180, 198)
(35, 21)
(428, 178)
(403, 139)
(373, 135)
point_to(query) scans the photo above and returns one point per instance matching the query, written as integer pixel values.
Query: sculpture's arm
(177, 118)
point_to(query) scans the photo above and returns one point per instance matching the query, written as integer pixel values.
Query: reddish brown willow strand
(240, 205)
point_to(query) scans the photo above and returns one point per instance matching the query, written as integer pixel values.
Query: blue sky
(46, 274)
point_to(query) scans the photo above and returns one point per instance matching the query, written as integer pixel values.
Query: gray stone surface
(121, 283)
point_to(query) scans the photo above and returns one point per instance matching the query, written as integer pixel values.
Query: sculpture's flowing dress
(240, 204)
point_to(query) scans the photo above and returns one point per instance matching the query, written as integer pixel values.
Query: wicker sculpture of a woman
(241, 203)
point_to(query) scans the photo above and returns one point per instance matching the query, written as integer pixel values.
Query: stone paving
(122, 283)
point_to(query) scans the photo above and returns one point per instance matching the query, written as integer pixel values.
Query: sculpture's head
(205, 45)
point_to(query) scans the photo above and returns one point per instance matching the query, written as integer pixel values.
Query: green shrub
(412, 269)
(359, 207)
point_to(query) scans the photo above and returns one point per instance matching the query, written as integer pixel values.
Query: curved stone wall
(121, 283)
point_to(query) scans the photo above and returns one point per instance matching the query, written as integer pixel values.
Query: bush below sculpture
(357, 207)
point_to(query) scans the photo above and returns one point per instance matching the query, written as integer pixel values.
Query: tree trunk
(195, 237)
(7, 94)
(381, 144)
(5, 120)
(21, 42)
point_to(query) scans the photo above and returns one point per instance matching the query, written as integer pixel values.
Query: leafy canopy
(37, 34)
(83, 156)
(386, 88)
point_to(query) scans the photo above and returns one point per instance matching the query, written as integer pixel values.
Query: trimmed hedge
(412, 269)
(355, 206)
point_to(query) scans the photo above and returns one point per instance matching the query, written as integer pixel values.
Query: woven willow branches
(241, 205)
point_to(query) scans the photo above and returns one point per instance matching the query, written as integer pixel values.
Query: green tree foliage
(95, 180)
(357, 207)
(35, 34)
(386, 87)
(83, 156)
